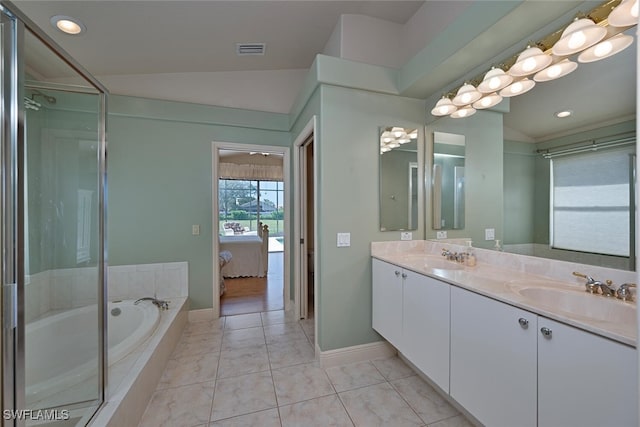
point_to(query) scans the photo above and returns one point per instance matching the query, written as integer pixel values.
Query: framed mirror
(447, 181)
(399, 185)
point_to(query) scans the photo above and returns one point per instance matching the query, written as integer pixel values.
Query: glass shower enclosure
(53, 231)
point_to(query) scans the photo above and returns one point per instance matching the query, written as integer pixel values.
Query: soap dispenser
(471, 256)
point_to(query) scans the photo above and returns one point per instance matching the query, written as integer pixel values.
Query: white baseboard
(356, 353)
(201, 315)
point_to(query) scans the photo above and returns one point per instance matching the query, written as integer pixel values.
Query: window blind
(590, 202)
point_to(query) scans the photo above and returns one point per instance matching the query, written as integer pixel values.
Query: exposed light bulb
(494, 83)
(529, 64)
(603, 49)
(516, 87)
(577, 39)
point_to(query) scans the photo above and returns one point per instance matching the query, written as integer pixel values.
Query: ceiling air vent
(244, 49)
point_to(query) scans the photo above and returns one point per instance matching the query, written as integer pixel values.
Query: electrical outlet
(344, 240)
(441, 235)
(489, 234)
(406, 235)
(195, 230)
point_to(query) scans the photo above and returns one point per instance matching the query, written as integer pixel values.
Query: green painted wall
(483, 175)
(159, 174)
(519, 192)
(347, 199)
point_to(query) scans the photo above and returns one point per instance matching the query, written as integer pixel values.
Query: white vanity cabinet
(387, 283)
(411, 311)
(425, 327)
(493, 360)
(584, 379)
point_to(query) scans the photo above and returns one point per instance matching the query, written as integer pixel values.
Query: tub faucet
(161, 304)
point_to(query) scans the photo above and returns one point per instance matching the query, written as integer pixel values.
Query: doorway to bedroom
(251, 231)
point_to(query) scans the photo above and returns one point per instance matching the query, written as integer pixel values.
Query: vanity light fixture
(594, 37)
(563, 114)
(444, 107)
(466, 95)
(625, 14)
(68, 25)
(606, 48)
(579, 35)
(494, 80)
(556, 71)
(487, 101)
(397, 131)
(465, 111)
(530, 61)
(518, 88)
(413, 134)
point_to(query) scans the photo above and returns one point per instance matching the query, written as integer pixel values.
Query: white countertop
(563, 301)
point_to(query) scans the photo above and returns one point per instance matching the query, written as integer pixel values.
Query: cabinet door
(585, 380)
(425, 326)
(493, 360)
(387, 301)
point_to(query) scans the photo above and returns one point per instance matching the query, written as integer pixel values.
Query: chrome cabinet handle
(404, 275)
(546, 332)
(524, 323)
(397, 273)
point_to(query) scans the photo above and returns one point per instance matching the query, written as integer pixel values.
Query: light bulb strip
(598, 15)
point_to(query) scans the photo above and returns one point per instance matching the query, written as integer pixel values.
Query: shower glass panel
(62, 239)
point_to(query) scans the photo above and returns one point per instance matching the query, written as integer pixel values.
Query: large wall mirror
(399, 178)
(553, 209)
(447, 181)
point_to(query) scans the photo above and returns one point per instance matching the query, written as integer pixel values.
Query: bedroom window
(590, 202)
(245, 203)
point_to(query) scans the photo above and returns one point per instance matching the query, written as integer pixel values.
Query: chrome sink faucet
(624, 291)
(592, 285)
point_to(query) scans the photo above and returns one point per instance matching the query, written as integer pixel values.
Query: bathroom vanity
(511, 346)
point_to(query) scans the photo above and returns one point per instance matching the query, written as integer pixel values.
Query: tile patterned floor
(259, 370)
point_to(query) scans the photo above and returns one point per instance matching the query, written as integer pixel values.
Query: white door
(387, 284)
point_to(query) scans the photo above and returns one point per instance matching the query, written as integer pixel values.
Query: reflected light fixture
(625, 14)
(487, 101)
(397, 131)
(413, 134)
(579, 35)
(68, 25)
(556, 71)
(466, 95)
(530, 61)
(443, 107)
(606, 48)
(494, 80)
(563, 114)
(518, 88)
(465, 111)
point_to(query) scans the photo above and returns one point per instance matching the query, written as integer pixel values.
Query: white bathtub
(61, 350)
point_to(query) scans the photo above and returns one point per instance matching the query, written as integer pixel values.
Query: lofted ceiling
(184, 50)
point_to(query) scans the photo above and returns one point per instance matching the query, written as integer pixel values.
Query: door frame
(215, 231)
(299, 214)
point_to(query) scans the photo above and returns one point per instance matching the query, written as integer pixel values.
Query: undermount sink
(582, 304)
(440, 263)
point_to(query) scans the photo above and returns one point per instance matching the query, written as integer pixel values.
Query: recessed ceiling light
(68, 25)
(563, 114)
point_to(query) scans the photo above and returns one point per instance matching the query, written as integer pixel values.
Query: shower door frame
(12, 228)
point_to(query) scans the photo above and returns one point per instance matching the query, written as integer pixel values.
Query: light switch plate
(489, 234)
(344, 240)
(195, 230)
(406, 235)
(441, 235)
